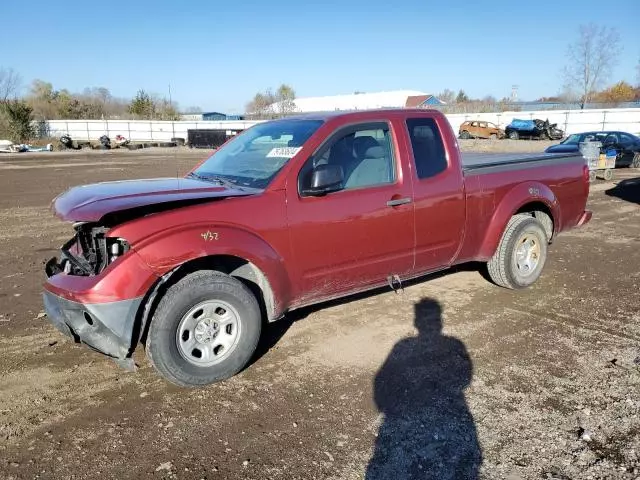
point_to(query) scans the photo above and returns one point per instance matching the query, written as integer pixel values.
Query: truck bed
(473, 161)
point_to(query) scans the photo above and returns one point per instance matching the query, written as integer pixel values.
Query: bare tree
(285, 97)
(591, 58)
(10, 82)
(260, 104)
(447, 96)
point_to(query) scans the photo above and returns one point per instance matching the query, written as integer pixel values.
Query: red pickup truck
(289, 213)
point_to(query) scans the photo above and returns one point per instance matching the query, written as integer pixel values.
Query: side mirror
(324, 179)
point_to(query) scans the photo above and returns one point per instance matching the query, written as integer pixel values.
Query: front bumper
(104, 327)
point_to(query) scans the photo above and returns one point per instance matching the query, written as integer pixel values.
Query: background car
(480, 129)
(627, 146)
(530, 129)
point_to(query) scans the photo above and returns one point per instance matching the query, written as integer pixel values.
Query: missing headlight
(90, 251)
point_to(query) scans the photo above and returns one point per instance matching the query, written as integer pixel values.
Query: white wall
(571, 121)
(136, 130)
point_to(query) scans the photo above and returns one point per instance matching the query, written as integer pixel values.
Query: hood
(89, 203)
(562, 148)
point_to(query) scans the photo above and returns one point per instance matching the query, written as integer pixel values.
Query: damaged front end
(85, 303)
(88, 252)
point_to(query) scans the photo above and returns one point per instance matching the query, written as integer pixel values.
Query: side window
(626, 139)
(474, 124)
(611, 138)
(364, 153)
(428, 149)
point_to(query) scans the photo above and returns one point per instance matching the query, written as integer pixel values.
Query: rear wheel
(493, 136)
(205, 329)
(521, 254)
(513, 135)
(608, 174)
(635, 163)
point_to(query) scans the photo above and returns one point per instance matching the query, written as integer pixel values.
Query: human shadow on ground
(272, 333)
(428, 431)
(627, 190)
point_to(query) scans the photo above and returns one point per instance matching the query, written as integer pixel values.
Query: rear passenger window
(428, 148)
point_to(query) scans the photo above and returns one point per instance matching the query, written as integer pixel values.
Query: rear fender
(513, 201)
(177, 246)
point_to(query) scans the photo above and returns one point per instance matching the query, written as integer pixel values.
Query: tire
(608, 174)
(465, 135)
(513, 135)
(635, 163)
(592, 176)
(179, 141)
(493, 136)
(506, 267)
(183, 309)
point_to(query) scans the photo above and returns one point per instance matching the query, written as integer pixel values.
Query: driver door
(358, 236)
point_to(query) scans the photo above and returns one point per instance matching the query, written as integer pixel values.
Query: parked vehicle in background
(530, 129)
(290, 213)
(626, 145)
(480, 129)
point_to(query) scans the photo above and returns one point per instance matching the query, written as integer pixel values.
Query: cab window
(364, 152)
(429, 154)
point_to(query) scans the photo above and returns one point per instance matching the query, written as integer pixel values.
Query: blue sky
(217, 54)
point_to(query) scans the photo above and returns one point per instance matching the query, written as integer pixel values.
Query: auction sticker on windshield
(284, 152)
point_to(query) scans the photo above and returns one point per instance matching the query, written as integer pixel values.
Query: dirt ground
(452, 373)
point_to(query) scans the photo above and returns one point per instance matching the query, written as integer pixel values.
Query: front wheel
(465, 135)
(521, 254)
(205, 329)
(513, 135)
(635, 163)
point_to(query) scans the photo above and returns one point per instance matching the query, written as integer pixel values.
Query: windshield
(577, 138)
(571, 140)
(256, 155)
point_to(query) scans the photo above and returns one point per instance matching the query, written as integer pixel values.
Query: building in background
(423, 101)
(363, 101)
(214, 116)
(209, 116)
(191, 117)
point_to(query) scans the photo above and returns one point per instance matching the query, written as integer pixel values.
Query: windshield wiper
(214, 178)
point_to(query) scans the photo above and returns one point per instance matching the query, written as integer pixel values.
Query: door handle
(399, 201)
